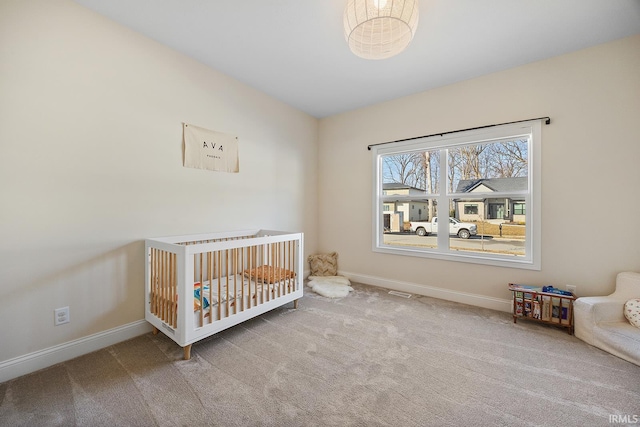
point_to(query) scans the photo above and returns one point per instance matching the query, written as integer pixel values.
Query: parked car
(464, 230)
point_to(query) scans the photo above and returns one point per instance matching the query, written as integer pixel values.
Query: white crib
(199, 285)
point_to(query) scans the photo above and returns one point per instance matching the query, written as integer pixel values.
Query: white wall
(590, 180)
(91, 164)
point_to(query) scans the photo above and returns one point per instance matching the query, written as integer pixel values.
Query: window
(518, 209)
(471, 209)
(472, 177)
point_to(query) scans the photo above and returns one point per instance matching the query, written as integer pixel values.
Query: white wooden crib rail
(199, 285)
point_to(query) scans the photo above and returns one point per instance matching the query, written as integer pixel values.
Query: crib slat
(174, 275)
(167, 287)
(235, 278)
(219, 284)
(241, 278)
(249, 267)
(159, 284)
(210, 274)
(276, 264)
(162, 276)
(226, 269)
(295, 248)
(265, 259)
(201, 290)
(154, 286)
(233, 281)
(289, 266)
(164, 286)
(280, 264)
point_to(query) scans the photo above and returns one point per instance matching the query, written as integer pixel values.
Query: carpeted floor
(369, 359)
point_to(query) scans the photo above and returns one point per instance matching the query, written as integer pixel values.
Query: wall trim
(41, 359)
(432, 291)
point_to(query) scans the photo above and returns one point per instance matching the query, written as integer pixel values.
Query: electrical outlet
(61, 316)
(571, 288)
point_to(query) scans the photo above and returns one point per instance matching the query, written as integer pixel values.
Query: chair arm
(595, 310)
(627, 285)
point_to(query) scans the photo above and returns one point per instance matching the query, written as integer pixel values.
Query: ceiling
(295, 50)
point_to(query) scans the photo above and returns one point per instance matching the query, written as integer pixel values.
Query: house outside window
(483, 177)
(493, 208)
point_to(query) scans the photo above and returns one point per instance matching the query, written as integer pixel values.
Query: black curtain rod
(547, 120)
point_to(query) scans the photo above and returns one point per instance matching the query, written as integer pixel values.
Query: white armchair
(600, 321)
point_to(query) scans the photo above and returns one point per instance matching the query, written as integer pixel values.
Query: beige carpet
(369, 359)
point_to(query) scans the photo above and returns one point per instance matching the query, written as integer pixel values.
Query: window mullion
(443, 204)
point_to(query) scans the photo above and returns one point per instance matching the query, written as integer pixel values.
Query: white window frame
(530, 129)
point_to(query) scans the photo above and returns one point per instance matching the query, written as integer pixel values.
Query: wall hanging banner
(207, 149)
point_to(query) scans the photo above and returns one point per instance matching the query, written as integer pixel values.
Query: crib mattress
(235, 293)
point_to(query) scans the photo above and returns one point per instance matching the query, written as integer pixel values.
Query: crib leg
(295, 304)
(187, 352)
(155, 331)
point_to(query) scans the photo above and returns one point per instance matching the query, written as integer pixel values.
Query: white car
(464, 230)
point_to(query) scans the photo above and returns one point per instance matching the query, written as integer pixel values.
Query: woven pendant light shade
(379, 29)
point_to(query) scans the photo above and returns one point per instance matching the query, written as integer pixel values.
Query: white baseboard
(431, 291)
(41, 359)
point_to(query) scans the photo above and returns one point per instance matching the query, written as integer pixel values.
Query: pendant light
(379, 29)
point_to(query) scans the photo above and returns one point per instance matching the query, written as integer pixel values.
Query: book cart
(531, 303)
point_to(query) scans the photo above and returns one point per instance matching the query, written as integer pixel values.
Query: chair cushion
(632, 311)
(618, 338)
